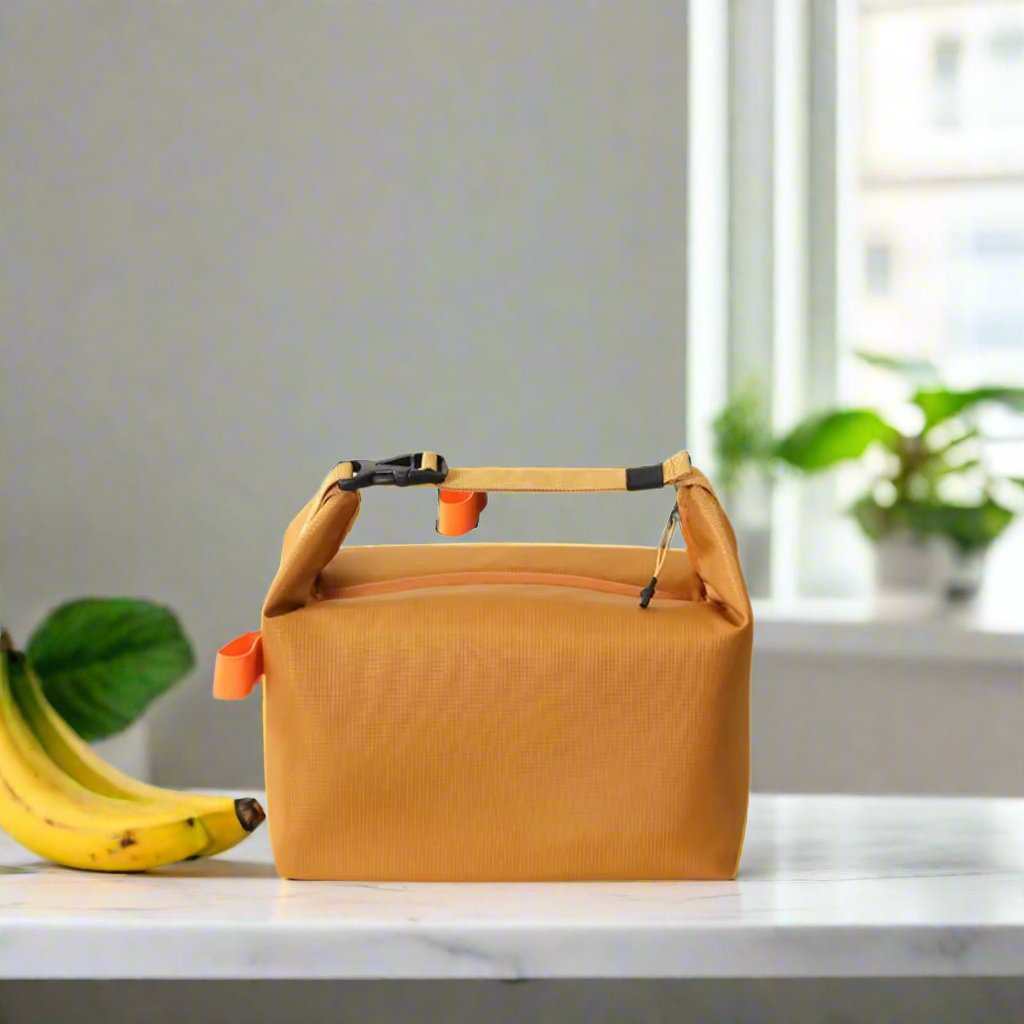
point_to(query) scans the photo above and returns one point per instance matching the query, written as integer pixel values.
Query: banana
(75, 827)
(62, 801)
(47, 773)
(227, 821)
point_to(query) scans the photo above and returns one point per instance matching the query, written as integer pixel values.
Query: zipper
(485, 577)
(663, 545)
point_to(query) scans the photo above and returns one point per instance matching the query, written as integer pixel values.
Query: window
(875, 200)
(938, 170)
(949, 192)
(938, 174)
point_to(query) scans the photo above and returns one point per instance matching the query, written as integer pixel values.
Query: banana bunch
(63, 802)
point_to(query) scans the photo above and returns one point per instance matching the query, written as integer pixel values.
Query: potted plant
(932, 506)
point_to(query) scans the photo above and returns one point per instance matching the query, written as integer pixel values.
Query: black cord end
(648, 592)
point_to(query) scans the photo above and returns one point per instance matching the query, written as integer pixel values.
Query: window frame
(767, 249)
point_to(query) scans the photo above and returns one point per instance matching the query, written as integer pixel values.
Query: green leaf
(825, 439)
(916, 369)
(103, 660)
(874, 519)
(968, 527)
(940, 404)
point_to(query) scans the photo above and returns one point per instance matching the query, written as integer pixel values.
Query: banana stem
(250, 814)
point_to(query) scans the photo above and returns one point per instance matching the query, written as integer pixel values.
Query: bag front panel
(506, 732)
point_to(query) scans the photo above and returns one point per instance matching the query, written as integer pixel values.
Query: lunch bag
(502, 712)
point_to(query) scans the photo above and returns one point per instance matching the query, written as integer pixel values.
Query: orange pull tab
(458, 512)
(239, 667)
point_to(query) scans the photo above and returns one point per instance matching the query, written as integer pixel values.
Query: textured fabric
(473, 727)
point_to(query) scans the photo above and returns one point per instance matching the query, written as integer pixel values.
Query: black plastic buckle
(400, 471)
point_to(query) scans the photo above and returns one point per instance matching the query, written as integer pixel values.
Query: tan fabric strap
(557, 478)
(534, 478)
(538, 478)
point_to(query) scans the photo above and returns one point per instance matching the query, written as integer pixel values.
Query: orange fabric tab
(458, 512)
(239, 667)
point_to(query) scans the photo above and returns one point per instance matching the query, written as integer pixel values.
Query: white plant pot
(128, 750)
(966, 575)
(912, 575)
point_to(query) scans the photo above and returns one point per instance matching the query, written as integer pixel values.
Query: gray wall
(836, 723)
(245, 240)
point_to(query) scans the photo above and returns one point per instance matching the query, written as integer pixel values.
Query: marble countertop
(829, 886)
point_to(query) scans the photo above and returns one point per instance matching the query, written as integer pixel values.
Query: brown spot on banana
(128, 839)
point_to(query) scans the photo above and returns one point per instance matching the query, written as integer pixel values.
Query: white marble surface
(829, 886)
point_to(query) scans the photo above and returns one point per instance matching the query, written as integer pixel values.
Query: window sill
(856, 629)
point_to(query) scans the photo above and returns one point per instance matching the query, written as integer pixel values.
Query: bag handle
(429, 468)
(321, 526)
(561, 479)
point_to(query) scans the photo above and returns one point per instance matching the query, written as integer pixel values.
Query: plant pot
(924, 575)
(965, 576)
(128, 750)
(910, 573)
